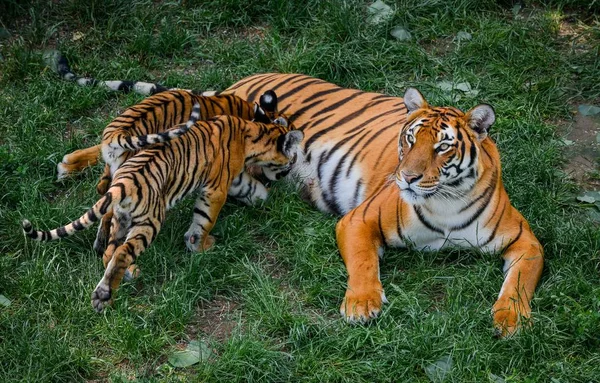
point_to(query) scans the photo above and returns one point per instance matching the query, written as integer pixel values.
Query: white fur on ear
(293, 138)
(281, 121)
(480, 119)
(413, 99)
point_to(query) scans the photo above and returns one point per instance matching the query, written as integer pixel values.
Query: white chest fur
(431, 227)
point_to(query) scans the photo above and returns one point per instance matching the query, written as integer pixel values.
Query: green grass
(277, 265)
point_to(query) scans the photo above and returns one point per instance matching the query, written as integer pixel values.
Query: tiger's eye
(443, 147)
(410, 139)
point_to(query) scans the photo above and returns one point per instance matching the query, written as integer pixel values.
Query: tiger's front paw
(194, 241)
(101, 297)
(360, 307)
(509, 318)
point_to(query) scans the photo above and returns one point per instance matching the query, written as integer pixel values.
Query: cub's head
(439, 149)
(281, 141)
(276, 147)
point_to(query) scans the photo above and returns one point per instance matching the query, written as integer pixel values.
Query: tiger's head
(439, 149)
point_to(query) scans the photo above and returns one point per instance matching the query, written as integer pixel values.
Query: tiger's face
(439, 150)
(280, 150)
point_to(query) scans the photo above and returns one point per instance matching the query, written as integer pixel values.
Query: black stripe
(381, 229)
(77, 225)
(126, 86)
(516, 238)
(426, 223)
(61, 232)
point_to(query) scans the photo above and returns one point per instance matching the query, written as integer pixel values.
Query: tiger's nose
(411, 177)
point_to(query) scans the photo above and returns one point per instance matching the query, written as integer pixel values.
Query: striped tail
(88, 219)
(61, 66)
(140, 142)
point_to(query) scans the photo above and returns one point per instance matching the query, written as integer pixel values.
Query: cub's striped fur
(209, 158)
(443, 188)
(134, 127)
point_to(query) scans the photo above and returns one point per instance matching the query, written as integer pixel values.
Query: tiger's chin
(413, 198)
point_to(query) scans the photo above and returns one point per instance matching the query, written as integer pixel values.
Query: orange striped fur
(210, 157)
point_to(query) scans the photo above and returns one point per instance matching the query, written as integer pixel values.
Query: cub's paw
(361, 307)
(508, 319)
(101, 297)
(194, 241)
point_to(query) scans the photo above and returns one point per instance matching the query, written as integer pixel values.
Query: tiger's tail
(61, 66)
(104, 204)
(139, 142)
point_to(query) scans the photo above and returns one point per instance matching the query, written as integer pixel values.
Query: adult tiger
(203, 156)
(448, 188)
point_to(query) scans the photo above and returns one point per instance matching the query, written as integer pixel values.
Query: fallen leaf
(589, 197)
(496, 379)
(379, 12)
(4, 33)
(464, 86)
(51, 58)
(436, 372)
(445, 85)
(400, 33)
(194, 353)
(4, 301)
(463, 36)
(588, 110)
(77, 36)
(516, 8)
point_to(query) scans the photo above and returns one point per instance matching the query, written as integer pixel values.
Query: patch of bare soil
(215, 319)
(583, 155)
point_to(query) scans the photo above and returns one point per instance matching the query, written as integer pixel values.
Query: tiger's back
(350, 136)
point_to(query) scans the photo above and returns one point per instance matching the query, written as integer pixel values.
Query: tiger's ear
(288, 143)
(480, 119)
(268, 101)
(281, 121)
(413, 99)
(260, 115)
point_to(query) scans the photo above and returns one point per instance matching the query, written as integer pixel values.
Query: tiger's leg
(138, 239)
(117, 231)
(248, 190)
(360, 237)
(78, 160)
(105, 179)
(523, 263)
(112, 164)
(206, 210)
(364, 294)
(103, 234)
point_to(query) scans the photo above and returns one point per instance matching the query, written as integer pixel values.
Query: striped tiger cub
(154, 115)
(151, 117)
(208, 156)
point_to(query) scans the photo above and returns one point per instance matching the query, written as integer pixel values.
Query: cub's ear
(289, 142)
(413, 99)
(260, 115)
(281, 121)
(480, 119)
(268, 101)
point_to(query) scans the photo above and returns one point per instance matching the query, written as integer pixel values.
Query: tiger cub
(154, 115)
(207, 156)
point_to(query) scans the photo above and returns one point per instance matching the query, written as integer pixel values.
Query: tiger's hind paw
(101, 297)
